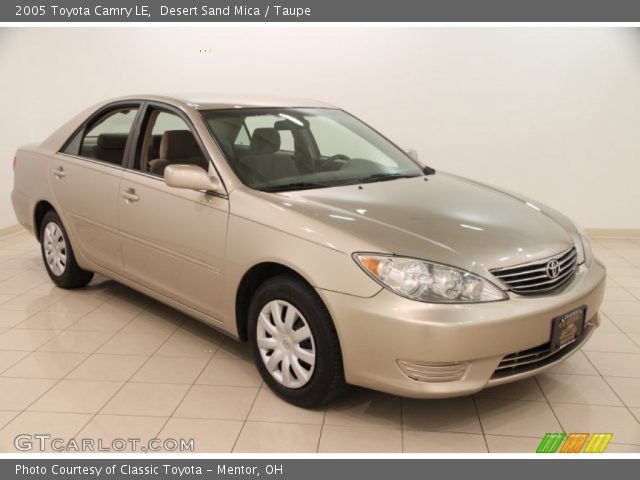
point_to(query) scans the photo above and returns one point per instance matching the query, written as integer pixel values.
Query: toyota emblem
(553, 269)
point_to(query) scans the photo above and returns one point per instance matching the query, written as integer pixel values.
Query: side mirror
(191, 177)
(412, 153)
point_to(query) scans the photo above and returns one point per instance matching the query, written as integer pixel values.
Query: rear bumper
(377, 332)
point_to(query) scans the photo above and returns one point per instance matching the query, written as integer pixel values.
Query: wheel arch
(251, 280)
(41, 209)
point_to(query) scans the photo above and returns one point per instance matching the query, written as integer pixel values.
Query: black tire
(72, 276)
(327, 380)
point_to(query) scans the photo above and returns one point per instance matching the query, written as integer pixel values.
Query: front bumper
(376, 332)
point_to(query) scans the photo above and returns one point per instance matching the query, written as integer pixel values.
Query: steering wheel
(339, 160)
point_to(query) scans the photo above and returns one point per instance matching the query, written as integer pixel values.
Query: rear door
(85, 179)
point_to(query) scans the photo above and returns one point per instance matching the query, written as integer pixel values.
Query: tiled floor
(106, 362)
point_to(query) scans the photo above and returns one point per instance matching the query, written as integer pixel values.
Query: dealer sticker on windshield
(566, 328)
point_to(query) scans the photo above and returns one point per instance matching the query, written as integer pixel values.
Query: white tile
(628, 389)
(610, 342)
(621, 308)
(192, 341)
(108, 367)
(616, 364)
(517, 418)
(451, 414)
(47, 320)
(19, 393)
(155, 399)
(504, 444)
(11, 318)
(6, 416)
(265, 437)
(364, 408)
(58, 425)
(45, 365)
(360, 439)
(10, 357)
(124, 343)
(442, 442)
(217, 402)
(618, 293)
(209, 436)
(106, 428)
(526, 389)
(592, 418)
(76, 396)
(627, 323)
(70, 341)
(108, 317)
(583, 389)
(76, 302)
(268, 407)
(160, 369)
(17, 339)
(230, 372)
(576, 364)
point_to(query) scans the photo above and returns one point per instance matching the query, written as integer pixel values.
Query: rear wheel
(58, 256)
(294, 342)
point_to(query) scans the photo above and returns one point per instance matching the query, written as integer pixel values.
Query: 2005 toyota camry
(294, 226)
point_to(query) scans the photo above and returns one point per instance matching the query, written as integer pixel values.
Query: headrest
(155, 141)
(264, 141)
(178, 144)
(112, 141)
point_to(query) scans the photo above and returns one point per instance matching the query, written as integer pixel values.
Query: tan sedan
(294, 226)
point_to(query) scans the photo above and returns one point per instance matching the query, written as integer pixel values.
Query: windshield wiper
(293, 186)
(379, 177)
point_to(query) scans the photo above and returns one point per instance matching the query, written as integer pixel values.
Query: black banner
(318, 469)
(64, 11)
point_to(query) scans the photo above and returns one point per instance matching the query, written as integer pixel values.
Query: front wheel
(58, 256)
(294, 342)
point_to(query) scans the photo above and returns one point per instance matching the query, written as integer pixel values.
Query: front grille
(535, 357)
(539, 276)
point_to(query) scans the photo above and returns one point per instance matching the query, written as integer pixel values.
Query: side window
(167, 140)
(105, 138)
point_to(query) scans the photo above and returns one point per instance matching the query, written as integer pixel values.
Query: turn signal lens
(583, 247)
(426, 281)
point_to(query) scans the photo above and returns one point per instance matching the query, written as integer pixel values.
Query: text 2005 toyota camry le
(295, 226)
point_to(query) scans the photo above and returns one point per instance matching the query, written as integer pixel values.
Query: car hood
(442, 217)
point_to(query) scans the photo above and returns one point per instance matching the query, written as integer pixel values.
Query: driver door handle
(129, 194)
(59, 172)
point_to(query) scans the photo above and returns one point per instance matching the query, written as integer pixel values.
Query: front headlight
(583, 246)
(429, 282)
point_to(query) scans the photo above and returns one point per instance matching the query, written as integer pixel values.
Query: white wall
(551, 113)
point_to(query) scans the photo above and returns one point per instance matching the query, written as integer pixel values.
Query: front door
(173, 240)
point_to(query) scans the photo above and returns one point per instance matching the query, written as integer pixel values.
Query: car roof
(226, 101)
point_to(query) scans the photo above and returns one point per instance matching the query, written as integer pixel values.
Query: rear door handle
(59, 172)
(129, 194)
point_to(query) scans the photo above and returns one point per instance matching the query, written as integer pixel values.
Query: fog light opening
(433, 372)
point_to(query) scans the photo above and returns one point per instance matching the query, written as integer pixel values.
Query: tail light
(14, 163)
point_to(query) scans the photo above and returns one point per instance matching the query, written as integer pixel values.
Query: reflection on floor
(107, 363)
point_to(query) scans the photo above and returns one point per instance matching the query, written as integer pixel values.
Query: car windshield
(281, 149)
